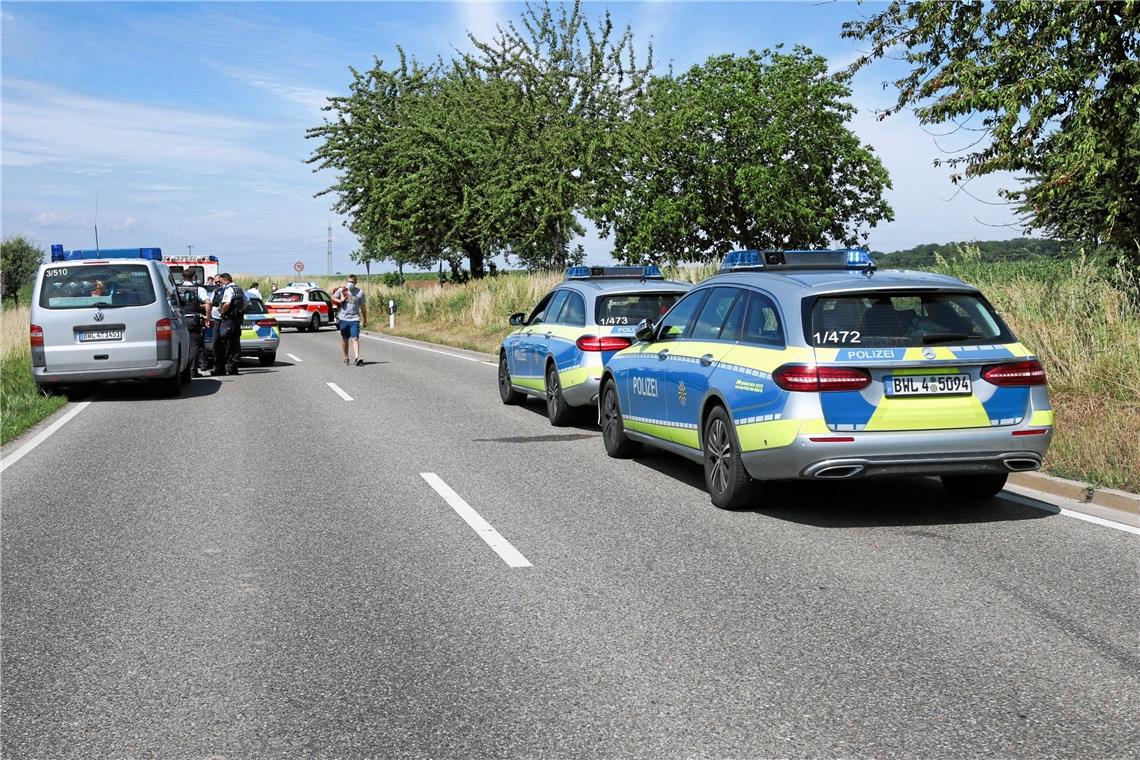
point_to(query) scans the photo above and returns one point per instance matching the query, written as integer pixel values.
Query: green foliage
(741, 152)
(490, 153)
(21, 403)
(1056, 87)
(1018, 249)
(19, 260)
(392, 279)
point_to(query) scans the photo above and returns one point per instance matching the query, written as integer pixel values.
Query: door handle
(663, 353)
(706, 360)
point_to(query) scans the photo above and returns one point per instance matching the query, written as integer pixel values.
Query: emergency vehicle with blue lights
(558, 351)
(814, 365)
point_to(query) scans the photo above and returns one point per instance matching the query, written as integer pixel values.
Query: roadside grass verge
(21, 403)
(1076, 317)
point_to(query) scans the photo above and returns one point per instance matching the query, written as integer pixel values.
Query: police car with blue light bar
(108, 314)
(813, 365)
(558, 351)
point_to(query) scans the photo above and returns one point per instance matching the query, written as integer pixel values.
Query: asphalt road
(260, 569)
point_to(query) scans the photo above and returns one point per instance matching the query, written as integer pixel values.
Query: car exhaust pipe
(1022, 464)
(839, 472)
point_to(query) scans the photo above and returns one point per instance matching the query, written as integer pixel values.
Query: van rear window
(631, 308)
(882, 320)
(105, 285)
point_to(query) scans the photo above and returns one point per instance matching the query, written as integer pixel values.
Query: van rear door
(99, 315)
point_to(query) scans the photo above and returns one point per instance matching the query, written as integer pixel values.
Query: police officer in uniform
(197, 344)
(227, 312)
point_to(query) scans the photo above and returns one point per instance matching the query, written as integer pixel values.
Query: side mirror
(645, 330)
(518, 319)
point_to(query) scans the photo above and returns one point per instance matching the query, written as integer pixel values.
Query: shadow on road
(537, 438)
(886, 502)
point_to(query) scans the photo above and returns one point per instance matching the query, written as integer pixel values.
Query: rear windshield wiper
(947, 337)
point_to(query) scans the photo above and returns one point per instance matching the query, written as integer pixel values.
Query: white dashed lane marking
(339, 392)
(295, 358)
(502, 546)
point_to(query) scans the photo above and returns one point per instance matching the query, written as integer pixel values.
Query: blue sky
(183, 124)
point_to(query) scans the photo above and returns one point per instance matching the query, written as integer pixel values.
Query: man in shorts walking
(352, 314)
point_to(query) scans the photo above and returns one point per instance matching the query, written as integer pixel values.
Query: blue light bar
(650, 272)
(148, 254)
(822, 259)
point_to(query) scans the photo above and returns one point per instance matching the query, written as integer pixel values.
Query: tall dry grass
(14, 332)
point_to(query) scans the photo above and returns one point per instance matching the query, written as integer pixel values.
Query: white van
(109, 314)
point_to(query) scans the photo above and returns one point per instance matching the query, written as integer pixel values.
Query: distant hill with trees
(1018, 249)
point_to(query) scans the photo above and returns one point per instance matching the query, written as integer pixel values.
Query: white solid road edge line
(430, 350)
(42, 436)
(502, 546)
(1027, 500)
(339, 392)
(295, 358)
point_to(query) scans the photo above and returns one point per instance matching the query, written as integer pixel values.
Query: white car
(306, 308)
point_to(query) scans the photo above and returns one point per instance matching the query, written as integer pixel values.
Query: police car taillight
(164, 330)
(809, 378)
(266, 322)
(1015, 373)
(602, 343)
(36, 336)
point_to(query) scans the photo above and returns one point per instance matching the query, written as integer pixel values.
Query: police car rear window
(286, 298)
(879, 320)
(631, 308)
(106, 285)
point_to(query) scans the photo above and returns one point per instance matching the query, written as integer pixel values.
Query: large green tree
(574, 83)
(750, 151)
(1050, 90)
(19, 259)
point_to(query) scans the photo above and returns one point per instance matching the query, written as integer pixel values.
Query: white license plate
(928, 385)
(91, 335)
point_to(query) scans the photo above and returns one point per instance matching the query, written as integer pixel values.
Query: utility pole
(189, 250)
(329, 261)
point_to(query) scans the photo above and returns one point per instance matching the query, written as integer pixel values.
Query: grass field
(21, 404)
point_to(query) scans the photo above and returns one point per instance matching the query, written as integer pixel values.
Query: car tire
(725, 477)
(557, 410)
(618, 445)
(171, 386)
(267, 360)
(187, 374)
(315, 323)
(507, 394)
(974, 487)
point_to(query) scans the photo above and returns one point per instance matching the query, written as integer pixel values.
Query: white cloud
(62, 220)
(311, 98)
(480, 19)
(44, 124)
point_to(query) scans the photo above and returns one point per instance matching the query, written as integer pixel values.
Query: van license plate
(928, 385)
(91, 335)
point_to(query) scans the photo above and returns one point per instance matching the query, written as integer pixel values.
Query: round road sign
(299, 266)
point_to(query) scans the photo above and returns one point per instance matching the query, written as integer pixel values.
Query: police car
(303, 305)
(813, 365)
(260, 335)
(557, 353)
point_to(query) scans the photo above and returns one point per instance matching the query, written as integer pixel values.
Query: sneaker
(346, 361)
(359, 362)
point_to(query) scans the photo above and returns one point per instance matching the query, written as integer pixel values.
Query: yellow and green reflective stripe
(1043, 417)
(936, 413)
(757, 436)
(536, 383)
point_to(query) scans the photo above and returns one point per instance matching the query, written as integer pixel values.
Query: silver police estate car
(557, 353)
(812, 365)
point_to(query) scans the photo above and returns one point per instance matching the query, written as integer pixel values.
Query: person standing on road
(227, 312)
(197, 337)
(352, 314)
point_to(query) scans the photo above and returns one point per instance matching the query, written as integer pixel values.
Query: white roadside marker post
(391, 314)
